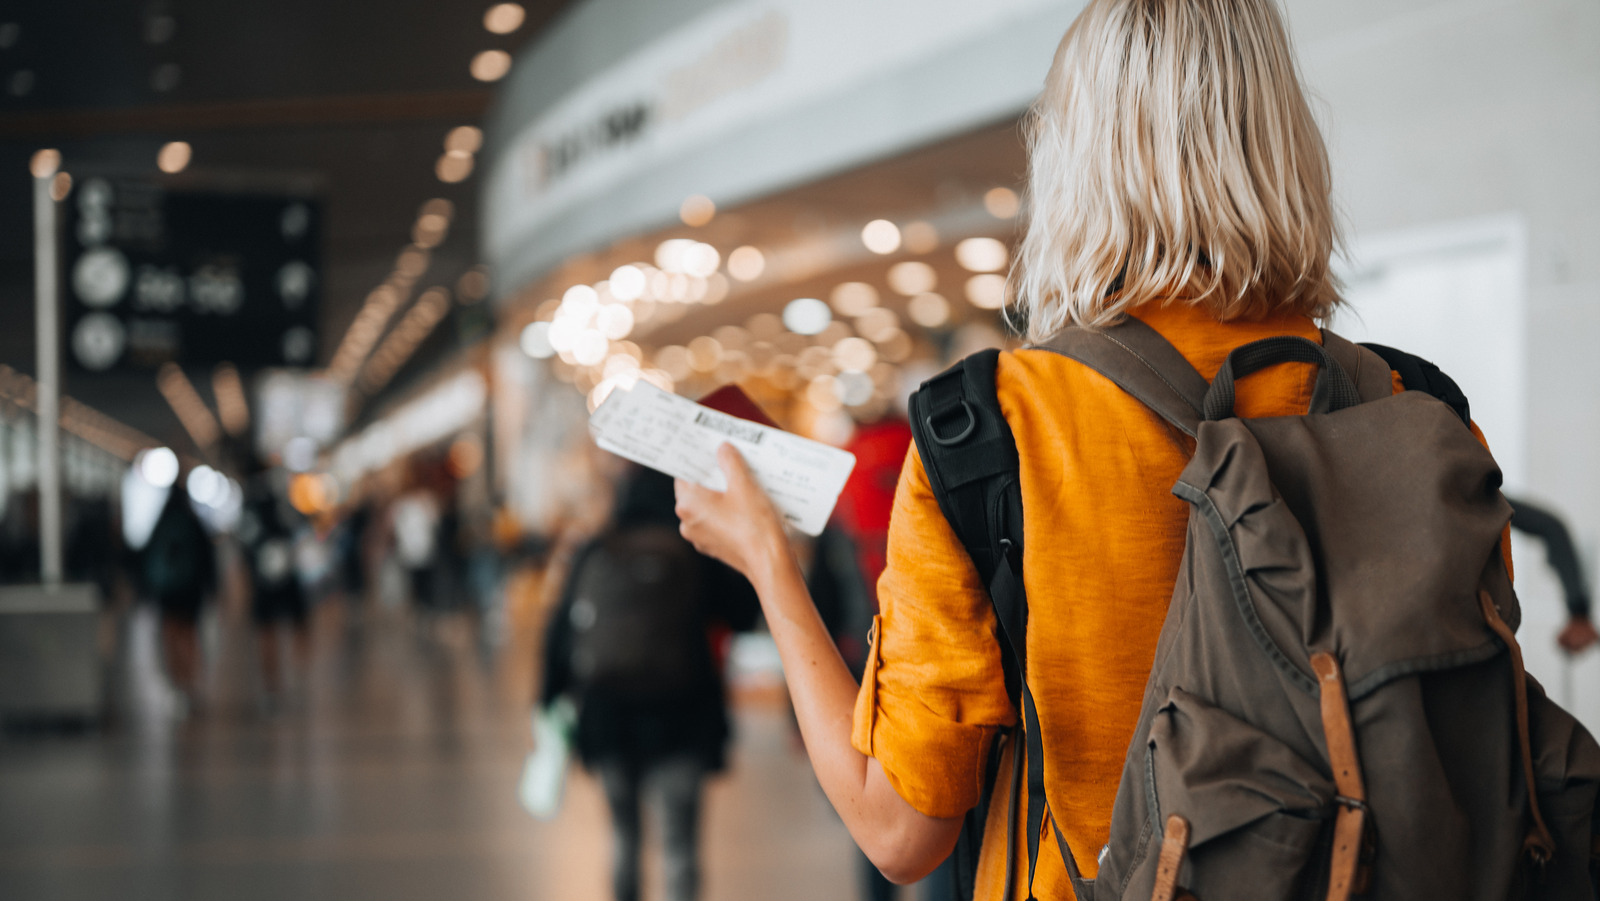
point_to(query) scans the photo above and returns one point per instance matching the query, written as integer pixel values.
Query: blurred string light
(982, 255)
(430, 308)
(491, 65)
(854, 354)
(77, 418)
(684, 256)
(1002, 203)
(697, 210)
(806, 316)
(503, 18)
(158, 466)
(853, 298)
(920, 237)
(44, 163)
(453, 166)
(987, 291)
(207, 486)
(535, 341)
(929, 310)
(464, 138)
(628, 283)
(174, 157)
(60, 186)
(186, 402)
(877, 323)
(473, 285)
(912, 277)
(363, 333)
(232, 407)
(881, 236)
(746, 263)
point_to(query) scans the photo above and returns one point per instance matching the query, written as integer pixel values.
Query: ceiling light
(465, 138)
(697, 210)
(929, 310)
(854, 298)
(174, 157)
(881, 236)
(987, 291)
(45, 163)
(503, 18)
(158, 466)
(982, 255)
(628, 283)
(912, 277)
(535, 341)
(920, 237)
(854, 354)
(491, 65)
(1002, 203)
(746, 263)
(806, 316)
(453, 166)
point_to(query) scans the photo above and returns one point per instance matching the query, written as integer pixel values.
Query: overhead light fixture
(697, 210)
(45, 163)
(1002, 203)
(504, 18)
(881, 236)
(982, 255)
(746, 263)
(174, 157)
(453, 166)
(465, 138)
(491, 65)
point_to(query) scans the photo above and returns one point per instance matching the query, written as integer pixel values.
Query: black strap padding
(1418, 374)
(1334, 390)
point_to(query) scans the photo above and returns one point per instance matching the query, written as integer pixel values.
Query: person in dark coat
(664, 743)
(180, 574)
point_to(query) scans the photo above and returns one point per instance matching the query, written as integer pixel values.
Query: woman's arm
(741, 528)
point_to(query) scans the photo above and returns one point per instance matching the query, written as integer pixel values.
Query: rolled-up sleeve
(933, 692)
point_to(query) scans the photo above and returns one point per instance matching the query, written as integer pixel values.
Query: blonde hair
(1173, 158)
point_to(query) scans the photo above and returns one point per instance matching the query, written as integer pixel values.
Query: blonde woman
(1177, 177)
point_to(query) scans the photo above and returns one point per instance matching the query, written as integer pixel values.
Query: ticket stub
(679, 437)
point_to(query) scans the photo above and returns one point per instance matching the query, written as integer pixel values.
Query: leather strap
(1538, 843)
(1138, 360)
(1347, 874)
(1174, 845)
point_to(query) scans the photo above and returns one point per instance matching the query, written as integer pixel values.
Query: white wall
(1440, 113)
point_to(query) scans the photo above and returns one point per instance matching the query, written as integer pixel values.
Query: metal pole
(46, 334)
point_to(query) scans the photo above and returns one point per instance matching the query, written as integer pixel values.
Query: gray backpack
(1338, 705)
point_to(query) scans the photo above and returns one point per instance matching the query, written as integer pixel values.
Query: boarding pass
(679, 437)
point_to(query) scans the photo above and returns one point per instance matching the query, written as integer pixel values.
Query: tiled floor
(393, 777)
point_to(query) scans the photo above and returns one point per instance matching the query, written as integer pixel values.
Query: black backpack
(637, 615)
(970, 455)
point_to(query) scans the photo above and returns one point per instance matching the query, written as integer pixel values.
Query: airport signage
(195, 278)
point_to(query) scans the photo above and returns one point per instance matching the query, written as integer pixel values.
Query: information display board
(152, 276)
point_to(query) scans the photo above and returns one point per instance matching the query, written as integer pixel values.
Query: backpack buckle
(966, 431)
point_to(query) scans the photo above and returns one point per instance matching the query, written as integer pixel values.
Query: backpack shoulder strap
(1139, 361)
(1418, 374)
(970, 455)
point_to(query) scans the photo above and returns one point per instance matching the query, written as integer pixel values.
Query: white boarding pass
(679, 437)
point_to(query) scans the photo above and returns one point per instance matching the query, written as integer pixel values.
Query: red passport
(732, 400)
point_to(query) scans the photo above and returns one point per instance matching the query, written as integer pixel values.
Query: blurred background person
(1578, 635)
(179, 566)
(631, 642)
(277, 594)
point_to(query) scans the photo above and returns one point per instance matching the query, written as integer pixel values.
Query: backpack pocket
(1256, 810)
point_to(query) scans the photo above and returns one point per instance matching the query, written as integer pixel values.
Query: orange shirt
(1103, 538)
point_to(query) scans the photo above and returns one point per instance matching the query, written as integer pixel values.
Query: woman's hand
(739, 526)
